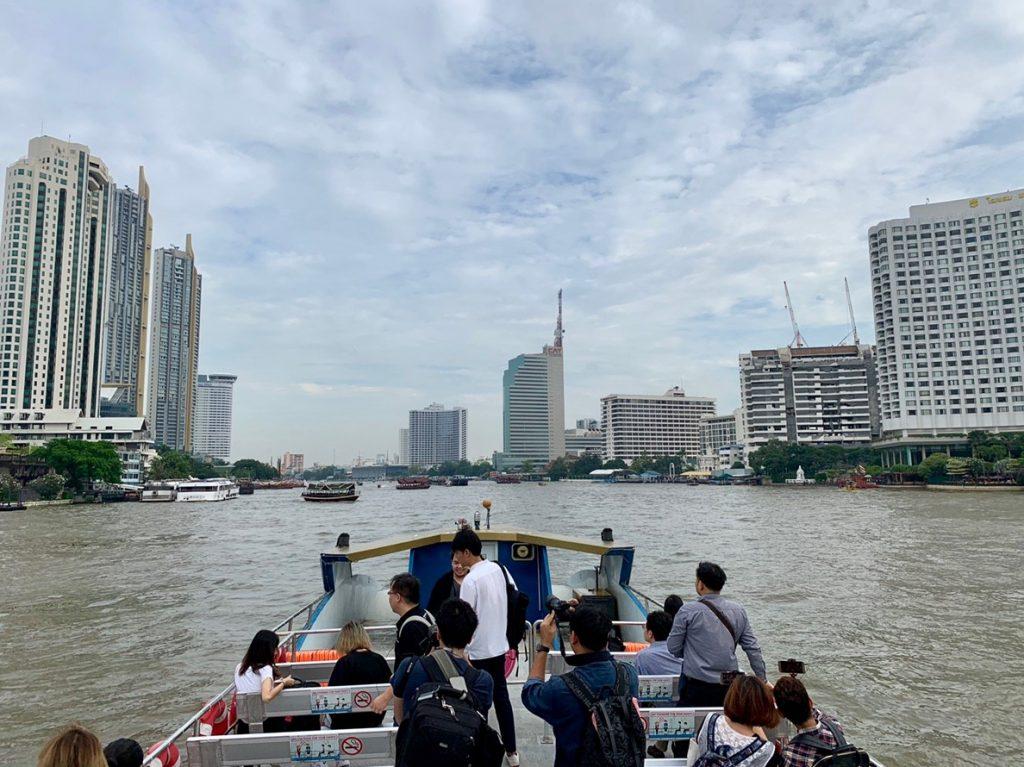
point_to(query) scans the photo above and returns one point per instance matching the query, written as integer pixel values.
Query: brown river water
(907, 606)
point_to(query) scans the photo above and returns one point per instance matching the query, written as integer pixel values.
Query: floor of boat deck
(529, 732)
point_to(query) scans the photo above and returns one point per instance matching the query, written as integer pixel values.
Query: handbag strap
(725, 621)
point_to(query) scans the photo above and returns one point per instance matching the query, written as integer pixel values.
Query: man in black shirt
(415, 630)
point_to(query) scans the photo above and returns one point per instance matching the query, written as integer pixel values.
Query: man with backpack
(819, 739)
(414, 631)
(593, 708)
(486, 589)
(441, 701)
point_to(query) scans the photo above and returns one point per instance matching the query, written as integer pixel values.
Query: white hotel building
(654, 425)
(211, 429)
(948, 290)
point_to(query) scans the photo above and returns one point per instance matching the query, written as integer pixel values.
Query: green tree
(559, 468)
(933, 468)
(616, 463)
(481, 468)
(585, 464)
(10, 488)
(737, 465)
(250, 468)
(82, 462)
(527, 467)
(170, 465)
(49, 487)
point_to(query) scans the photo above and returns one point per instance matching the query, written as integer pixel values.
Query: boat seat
(303, 701)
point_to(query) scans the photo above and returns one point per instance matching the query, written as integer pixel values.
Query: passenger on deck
(552, 700)
(485, 589)
(447, 587)
(414, 631)
(257, 672)
(704, 634)
(672, 604)
(656, 660)
(357, 664)
(74, 746)
(124, 752)
(796, 705)
(456, 623)
(748, 709)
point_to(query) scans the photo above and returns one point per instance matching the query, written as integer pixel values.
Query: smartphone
(792, 666)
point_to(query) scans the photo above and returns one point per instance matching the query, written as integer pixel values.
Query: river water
(906, 606)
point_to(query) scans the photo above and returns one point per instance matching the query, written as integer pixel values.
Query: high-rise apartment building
(127, 320)
(948, 290)
(716, 431)
(54, 256)
(211, 428)
(436, 435)
(533, 406)
(654, 425)
(292, 463)
(820, 395)
(174, 354)
(403, 446)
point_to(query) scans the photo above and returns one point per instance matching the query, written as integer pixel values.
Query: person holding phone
(258, 673)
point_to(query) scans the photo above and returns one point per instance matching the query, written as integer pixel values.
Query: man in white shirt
(485, 588)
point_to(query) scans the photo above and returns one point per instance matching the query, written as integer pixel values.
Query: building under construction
(816, 395)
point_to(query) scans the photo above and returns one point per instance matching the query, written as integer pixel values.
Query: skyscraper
(127, 321)
(651, 424)
(948, 290)
(211, 431)
(54, 255)
(436, 435)
(174, 356)
(533, 399)
(403, 446)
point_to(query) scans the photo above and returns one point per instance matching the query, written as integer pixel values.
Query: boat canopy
(387, 546)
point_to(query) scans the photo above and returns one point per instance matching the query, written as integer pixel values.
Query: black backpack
(445, 727)
(616, 737)
(721, 755)
(515, 626)
(842, 754)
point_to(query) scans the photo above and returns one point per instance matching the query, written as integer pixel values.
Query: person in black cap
(124, 752)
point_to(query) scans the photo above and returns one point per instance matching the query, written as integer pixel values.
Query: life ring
(220, 719)
(169, 757)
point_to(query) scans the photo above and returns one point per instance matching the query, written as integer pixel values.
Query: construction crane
(853, 322)
(798, 340)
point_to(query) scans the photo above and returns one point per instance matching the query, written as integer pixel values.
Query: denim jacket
(555, 704)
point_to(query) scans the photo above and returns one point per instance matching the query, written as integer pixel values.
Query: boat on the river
(355, 583)
(507, 479)
(456, 481)
(246, 488)
(413, 483)
(218, 489)
(330, 491)
(159, 492)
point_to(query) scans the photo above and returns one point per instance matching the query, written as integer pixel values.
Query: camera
(562, 609)
(792, 666)
(430, 642)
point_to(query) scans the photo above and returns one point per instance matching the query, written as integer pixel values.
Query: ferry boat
(217, 489)
(354, 589)
(457, 481)
(330, 491)
(159, 492)
(413, 483)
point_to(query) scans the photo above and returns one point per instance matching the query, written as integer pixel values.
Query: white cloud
(385, 197)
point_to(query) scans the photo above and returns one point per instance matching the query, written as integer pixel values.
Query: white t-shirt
(485, 590)
(252, 681)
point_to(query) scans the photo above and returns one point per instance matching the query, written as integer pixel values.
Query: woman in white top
(256, 672)
(748, 709)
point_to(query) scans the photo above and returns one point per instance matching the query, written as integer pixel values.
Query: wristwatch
(540, 647)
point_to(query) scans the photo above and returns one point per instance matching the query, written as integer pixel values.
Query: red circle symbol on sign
(363, 699)
(351, 746)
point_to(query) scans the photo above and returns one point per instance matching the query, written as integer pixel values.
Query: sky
(385, 197)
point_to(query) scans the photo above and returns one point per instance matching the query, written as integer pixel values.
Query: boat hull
(330, 499)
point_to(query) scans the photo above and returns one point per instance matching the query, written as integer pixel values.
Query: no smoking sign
(351, 746)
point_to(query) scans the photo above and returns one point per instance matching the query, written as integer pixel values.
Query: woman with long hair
(357, 664)
(748, 709)
(74, 746)
(258, 673)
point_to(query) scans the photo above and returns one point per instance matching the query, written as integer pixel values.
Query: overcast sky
(385, 198)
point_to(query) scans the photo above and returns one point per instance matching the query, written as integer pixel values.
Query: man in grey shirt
(704, 634)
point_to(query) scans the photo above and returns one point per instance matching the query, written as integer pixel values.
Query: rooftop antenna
(558, 325)
(798, 340)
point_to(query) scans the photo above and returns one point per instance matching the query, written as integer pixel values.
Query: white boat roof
(383, 547)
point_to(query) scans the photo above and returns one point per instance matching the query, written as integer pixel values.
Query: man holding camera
(552, 700)
(705, 634)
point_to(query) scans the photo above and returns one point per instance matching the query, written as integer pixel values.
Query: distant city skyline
(385, 232)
